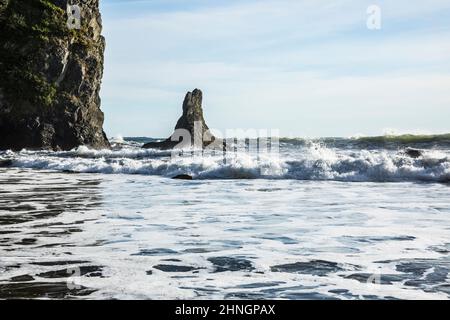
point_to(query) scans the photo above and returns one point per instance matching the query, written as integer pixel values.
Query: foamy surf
(142, 237)
(307, 161)
(287, 225)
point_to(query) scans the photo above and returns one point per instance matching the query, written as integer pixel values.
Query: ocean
(329, 218)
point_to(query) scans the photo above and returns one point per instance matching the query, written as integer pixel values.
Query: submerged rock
(413, 153)
(6, 163)
(192, 121)
(183, 177)
(50, 76)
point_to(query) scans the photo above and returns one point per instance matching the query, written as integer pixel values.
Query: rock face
(50, 76)
(192, 121)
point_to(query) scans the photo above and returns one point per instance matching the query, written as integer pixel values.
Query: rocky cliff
(50, 76)
(192, 121)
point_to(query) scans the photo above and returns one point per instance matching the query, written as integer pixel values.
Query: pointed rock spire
(191, 121)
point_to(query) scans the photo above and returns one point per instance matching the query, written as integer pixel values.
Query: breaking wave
(309, 161)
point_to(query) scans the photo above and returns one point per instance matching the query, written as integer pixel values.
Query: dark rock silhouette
(6, 163)
(192, 121)
(413, 153)
(50, 76)
(183, 177)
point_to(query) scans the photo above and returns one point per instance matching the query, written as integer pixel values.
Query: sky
(306, 68)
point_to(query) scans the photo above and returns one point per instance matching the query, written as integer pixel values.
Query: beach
(112, 225)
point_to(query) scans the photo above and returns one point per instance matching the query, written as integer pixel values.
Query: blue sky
(307, 68)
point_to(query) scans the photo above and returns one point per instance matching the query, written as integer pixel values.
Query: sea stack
(51, 73)
(192, 121)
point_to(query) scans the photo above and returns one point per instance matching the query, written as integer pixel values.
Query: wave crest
(313, 161)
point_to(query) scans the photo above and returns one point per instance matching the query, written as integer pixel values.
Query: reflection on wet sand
(30, 204)
(94, 236)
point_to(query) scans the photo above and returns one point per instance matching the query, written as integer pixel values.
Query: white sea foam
(312, 161)
(129, 225)
(118, 139)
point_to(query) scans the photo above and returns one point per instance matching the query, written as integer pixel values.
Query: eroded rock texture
(192, 121)
(50, 76)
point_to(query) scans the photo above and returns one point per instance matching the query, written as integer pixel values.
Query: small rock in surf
(6, 163)
(183, 177)
(413, 153)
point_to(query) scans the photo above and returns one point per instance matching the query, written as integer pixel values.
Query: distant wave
(408, 138)
(371, 142)
(389, 141)
(313, 161)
